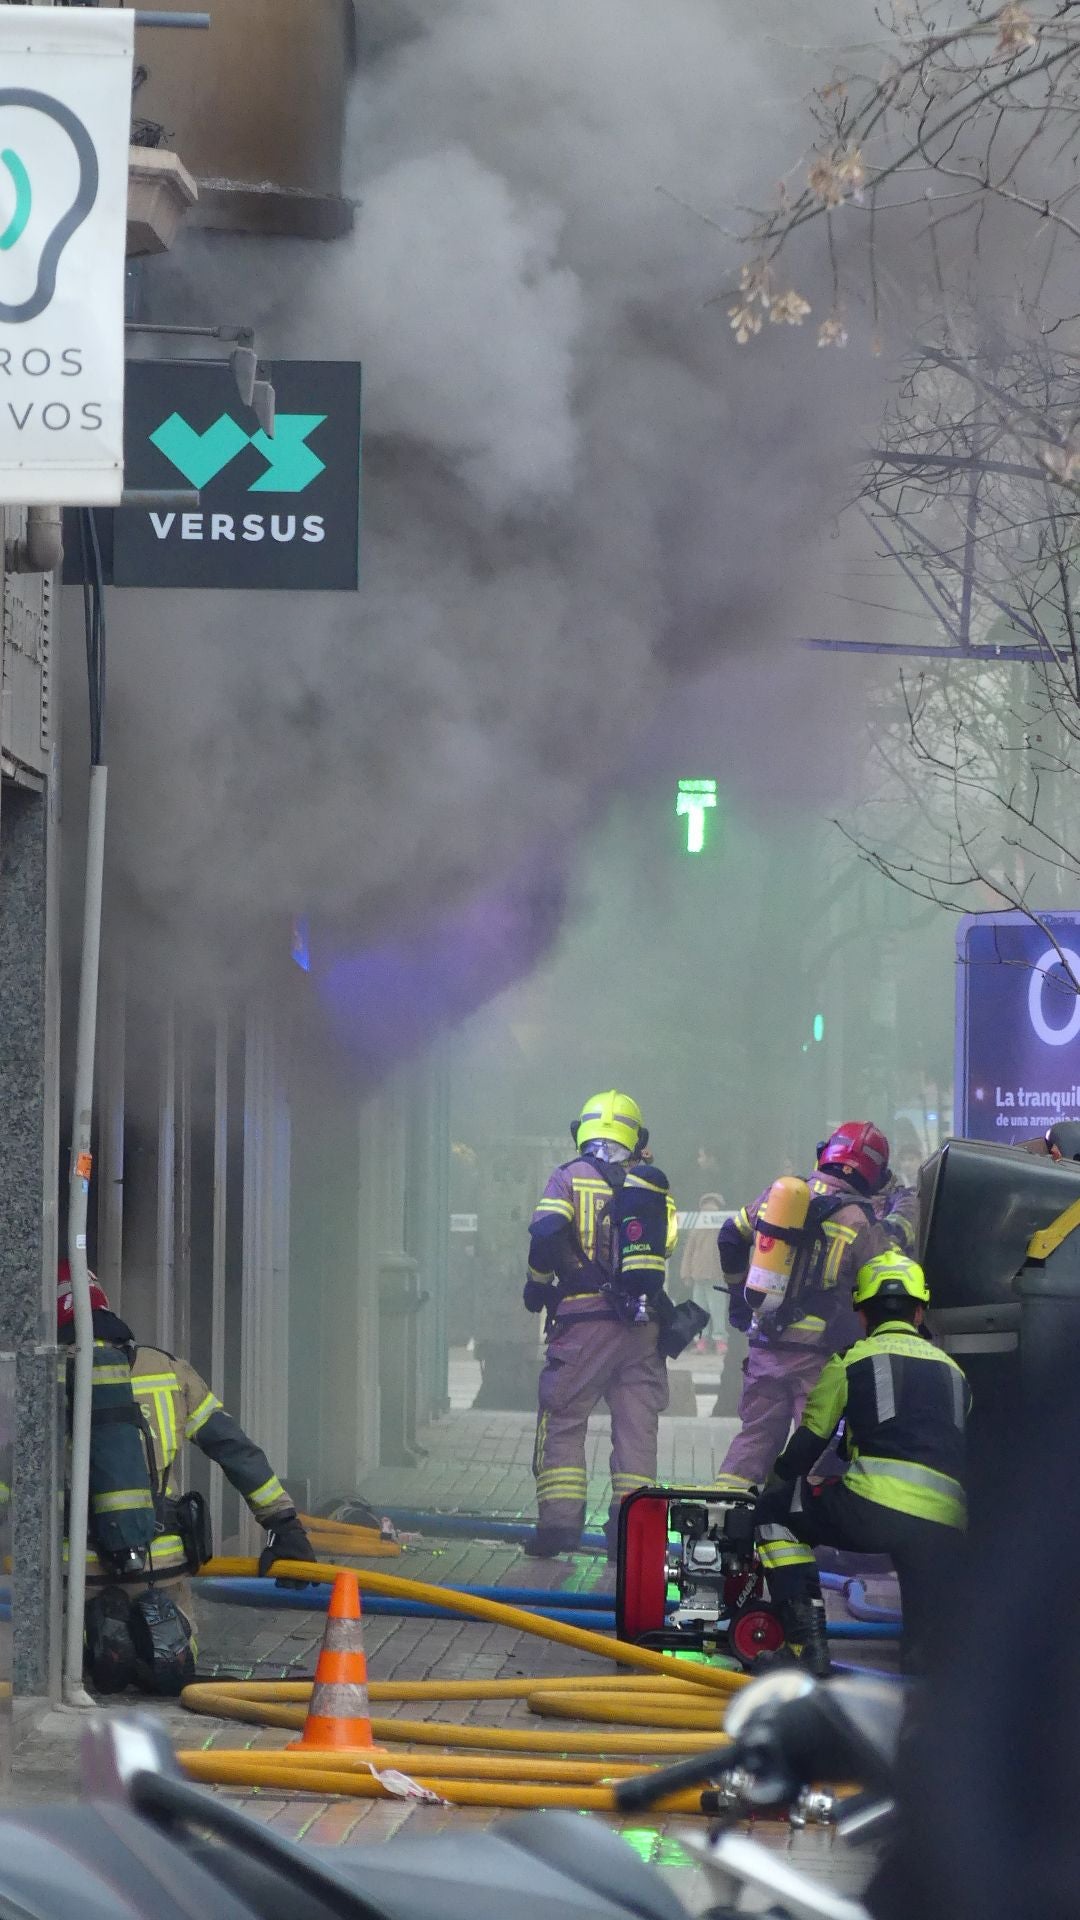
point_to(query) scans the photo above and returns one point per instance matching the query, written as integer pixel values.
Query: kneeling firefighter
(904, 1404)
(788, 1263)
(144, 1542)
(599, 1244)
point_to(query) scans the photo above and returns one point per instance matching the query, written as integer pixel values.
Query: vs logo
(291, 465)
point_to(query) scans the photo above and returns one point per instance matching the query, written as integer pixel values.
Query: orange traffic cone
(339, 1715)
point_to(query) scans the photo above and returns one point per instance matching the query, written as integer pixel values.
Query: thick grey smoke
(578, 490)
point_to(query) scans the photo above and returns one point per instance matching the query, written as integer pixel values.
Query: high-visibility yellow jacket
(904, 1404)
(177, 1405)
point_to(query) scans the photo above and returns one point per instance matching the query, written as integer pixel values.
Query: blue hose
(264, 1593)
(315, 1598)
(541, 1597)
(862, 1630)
(861, 1609)
(870, 1673)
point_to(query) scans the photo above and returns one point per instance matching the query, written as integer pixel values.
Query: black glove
(536, 1296)
(286, 1540)
(740, 1312)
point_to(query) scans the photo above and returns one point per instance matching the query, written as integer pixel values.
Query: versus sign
(1017, 1025)
(274, 512)
(65, 108)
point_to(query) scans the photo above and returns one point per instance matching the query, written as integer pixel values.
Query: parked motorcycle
(145, 1844)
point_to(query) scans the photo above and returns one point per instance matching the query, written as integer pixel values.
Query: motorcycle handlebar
(642, 1790)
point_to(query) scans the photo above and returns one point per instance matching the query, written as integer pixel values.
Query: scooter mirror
(771, 1691)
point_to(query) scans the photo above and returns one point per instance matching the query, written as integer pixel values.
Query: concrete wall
(29, 1142)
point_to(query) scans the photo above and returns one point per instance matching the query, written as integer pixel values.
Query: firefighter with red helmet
(145, 1538)
(851, 1212)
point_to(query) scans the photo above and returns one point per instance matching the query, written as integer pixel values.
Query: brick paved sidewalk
(475, 1463)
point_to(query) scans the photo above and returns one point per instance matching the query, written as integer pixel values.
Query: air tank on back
(255, 109)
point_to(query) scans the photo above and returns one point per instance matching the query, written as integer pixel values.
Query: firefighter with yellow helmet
(599, 1242)
(904, 1405)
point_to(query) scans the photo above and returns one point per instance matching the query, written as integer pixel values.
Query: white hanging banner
(65, 118)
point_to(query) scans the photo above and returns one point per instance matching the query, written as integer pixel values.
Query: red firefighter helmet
(858, 1147)
(65, 1304)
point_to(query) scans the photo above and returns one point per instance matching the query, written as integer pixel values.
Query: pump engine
(688, 1575)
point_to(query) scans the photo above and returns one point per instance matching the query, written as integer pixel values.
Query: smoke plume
(578, 490)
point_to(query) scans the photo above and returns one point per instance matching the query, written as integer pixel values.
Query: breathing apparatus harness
(630, 1220)
(805, 1239)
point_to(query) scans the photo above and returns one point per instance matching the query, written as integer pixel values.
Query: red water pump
(688, 1575)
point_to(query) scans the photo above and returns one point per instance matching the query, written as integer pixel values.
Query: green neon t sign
(692, 802)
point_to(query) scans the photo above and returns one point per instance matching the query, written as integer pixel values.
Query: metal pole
(221, 1188)
(175, 497)
(182, 1284)
(79, 1507)
(170, 19)
(166, 1185)
(110, 1170)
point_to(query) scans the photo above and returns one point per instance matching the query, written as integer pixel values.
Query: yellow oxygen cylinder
(772, 1257)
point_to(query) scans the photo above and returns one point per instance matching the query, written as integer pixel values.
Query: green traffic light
(819, 1027)
(693, 800)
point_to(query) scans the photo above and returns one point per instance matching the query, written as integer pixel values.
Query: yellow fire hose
(635, 1710)
(718, 1679)
(680, 1704)
(341, 1536)
(283, 1703)
(276, 1770)
(453, 1766)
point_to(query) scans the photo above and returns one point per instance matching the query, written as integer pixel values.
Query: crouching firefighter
(599, 1244)
(904, 1404)
(145, 1542)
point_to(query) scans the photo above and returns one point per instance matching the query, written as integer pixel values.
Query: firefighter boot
(545, 1543)
(804, 1626)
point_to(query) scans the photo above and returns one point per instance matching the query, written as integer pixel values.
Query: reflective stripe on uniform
(884, 1388)
(909, 1488)
(119, 1376)
(561, 1207)
(201, 1415)
(125, 1500)
(167, 1554)
(626, 1482)
(163, 1391)
(551, 1487)
(266, 1495)
(807, 1332)
(778, 1547)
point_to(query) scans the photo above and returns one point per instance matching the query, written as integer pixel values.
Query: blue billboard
(1017, 1025)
